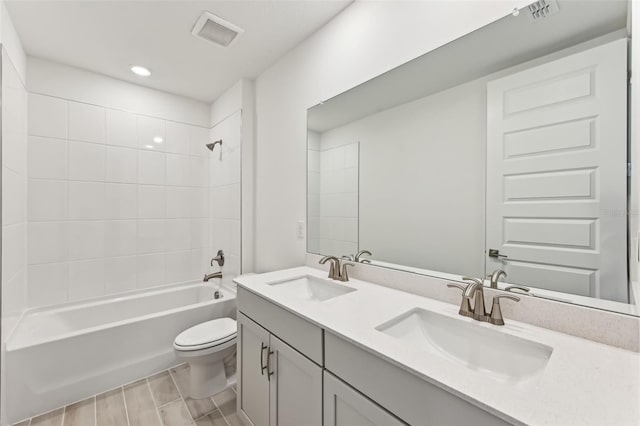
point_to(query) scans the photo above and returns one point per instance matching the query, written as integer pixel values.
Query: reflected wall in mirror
(505, 149)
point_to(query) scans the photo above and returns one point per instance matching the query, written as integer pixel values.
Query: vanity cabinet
(284, 359)
(344, 406)
(278, 386)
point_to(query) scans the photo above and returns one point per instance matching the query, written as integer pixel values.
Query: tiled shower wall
(117, 201)
(14, 194)
(333, 197)
(224, 194)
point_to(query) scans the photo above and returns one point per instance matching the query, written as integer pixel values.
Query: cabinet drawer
(298, 333)
(409, 397)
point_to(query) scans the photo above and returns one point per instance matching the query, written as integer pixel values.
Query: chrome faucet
(337, 269)
(475, 289)
(207, 277)
(359, 255)
(495, 276)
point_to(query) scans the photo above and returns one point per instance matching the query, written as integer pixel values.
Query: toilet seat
(209, 334)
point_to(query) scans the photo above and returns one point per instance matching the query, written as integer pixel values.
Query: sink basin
(311, 288)
(505, 357)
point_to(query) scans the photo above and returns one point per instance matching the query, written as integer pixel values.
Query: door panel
(296, 387)
(253, 387)
(344, 406)
(557, 174)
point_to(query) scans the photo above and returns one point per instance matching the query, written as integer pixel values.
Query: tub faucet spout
(207, 277)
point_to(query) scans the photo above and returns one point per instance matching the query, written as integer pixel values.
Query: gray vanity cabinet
(344, 406)
(277, 384)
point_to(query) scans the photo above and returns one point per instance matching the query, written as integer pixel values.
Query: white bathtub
(62, 354)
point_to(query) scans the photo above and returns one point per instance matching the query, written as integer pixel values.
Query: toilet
(205, 347)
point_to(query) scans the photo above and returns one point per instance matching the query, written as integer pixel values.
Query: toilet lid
(210, 333)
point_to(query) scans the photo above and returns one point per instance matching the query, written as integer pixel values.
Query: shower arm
(213, 144)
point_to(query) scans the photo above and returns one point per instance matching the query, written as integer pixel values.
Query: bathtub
(62, 354)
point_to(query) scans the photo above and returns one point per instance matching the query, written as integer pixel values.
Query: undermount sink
(311, 288)
(506, 357)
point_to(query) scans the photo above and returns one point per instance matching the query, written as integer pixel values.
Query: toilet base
(207, 379)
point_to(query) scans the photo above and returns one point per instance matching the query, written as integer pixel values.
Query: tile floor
(155, 401)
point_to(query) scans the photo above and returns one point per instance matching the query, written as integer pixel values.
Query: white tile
(120, 274)
(178, 266)
(178, 170)
(86, 279)
(47, 158)
(47, 284)
(199, 233)
(47, 116)
(47, 200)
(235, 237)
(178, 234)
(177, 137)
(14, 298)
(198, 139)
(13, 249)
(87, 161)
(221, 235)
(121, 165)
(151, 167)
(47, 242)
(199, 171)
(151, 270)
(121, 201)
(200, 200)
(86, 200)
(151, 202)
(151, 236)
(120, 238)
(200, 263)
(121, 129)
(86, 239)
(14, 197)
(86, 122)
(151, 133)
(180, 202)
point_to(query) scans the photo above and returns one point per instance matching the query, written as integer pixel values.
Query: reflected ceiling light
(140, 70)
(158, 139)
(150, 147)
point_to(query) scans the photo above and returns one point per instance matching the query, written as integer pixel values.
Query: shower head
(213, 145)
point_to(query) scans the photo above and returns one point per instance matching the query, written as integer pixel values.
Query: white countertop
(583, 383)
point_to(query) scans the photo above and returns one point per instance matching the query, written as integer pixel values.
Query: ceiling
(505, 43)
(108, 36)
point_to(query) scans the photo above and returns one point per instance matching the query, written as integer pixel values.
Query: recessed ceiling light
(140, 70)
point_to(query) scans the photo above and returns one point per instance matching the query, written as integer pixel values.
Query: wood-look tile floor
(154, 401)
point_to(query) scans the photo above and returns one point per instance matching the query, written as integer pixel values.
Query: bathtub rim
(165, 288)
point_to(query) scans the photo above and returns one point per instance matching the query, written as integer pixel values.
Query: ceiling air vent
(216, 30)
(541, 9)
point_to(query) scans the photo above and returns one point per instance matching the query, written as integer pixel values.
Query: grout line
(124, 401)
(146, 380)
(64, 413)
(219, 410)
(175, 383)
(95, 410)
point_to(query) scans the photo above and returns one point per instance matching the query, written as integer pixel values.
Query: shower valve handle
(219, 258)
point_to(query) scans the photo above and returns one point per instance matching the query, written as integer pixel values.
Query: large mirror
(506, 149)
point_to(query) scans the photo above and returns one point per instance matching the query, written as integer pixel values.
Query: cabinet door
(344, 406)
(296, 387)
(253, 385)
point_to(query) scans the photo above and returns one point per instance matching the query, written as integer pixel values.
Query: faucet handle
(496, 313)
(513, 288)
(344, 275)
(465, 305)
(472, 281)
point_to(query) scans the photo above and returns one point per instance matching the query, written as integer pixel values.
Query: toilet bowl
(205, 347)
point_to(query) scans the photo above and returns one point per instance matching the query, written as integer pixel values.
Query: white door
(344, 406)
(557, 174)
(253, 384)
(296, 387)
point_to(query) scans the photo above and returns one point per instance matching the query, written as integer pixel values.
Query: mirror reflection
(505, 150)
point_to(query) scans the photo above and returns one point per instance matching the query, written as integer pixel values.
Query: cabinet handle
(269, 372)
(262, 366)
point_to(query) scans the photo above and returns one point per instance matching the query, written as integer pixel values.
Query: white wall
(420, 176)
(117, 198)
(365, 40)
